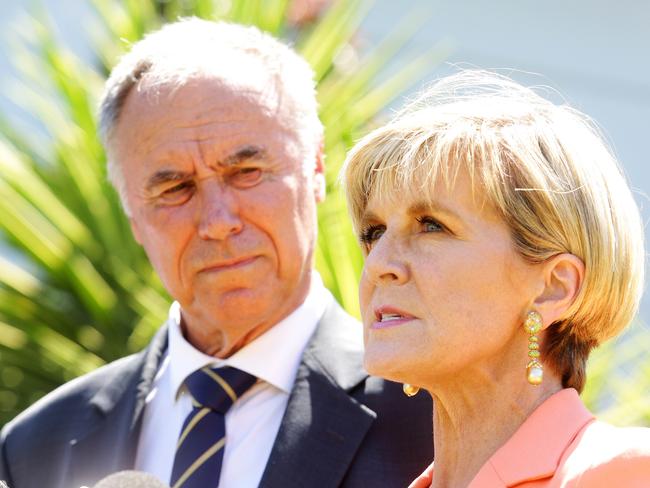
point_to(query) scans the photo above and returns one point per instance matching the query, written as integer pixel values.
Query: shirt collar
(260, 357)
(536, 448)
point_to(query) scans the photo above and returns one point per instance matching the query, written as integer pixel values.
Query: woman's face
(443, 291)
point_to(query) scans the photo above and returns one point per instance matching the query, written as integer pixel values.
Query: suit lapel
(115, 412)
(323, 425)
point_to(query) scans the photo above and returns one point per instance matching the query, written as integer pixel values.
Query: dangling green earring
(534, 370)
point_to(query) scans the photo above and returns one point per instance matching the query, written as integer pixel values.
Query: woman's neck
(475, 414)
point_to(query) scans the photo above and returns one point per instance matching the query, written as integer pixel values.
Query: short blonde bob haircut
(546, 171)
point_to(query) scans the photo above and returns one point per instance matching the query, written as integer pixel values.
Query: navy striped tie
(199, 451)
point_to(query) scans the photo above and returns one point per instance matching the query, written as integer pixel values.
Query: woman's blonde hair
(547, 172)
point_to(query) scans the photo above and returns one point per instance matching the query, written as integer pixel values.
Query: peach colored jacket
(562, 445)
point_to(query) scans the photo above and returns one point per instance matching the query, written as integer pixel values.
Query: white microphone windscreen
(130, 479)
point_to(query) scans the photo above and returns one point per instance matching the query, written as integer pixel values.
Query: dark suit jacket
(341, 428)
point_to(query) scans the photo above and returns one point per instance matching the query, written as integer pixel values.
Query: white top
(252, 423)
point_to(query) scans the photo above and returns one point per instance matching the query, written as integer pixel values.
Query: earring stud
(534, 369)
(410, 390)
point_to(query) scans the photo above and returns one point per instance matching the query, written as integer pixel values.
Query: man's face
(222, 203)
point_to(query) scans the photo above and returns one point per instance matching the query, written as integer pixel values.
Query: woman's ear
(563, 275)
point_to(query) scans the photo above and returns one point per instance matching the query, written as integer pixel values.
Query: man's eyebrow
(245, 153)
(165, 176)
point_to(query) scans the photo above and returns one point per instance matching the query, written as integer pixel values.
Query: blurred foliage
(76, 291)
(618, 378)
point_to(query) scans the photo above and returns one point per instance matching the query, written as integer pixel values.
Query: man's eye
(176, 188)
(177, 194)
(430, 224)
(370, 234)
(245, 177)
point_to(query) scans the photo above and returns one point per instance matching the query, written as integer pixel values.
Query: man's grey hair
(182, 50)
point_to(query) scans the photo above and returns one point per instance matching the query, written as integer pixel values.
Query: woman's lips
(388, 316)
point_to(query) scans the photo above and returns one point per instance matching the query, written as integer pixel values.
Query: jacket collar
(321, 416)
(107, 397)
(336, 349)
(111, 443)
(535, 450)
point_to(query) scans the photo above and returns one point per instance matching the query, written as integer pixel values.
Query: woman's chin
(390, 367)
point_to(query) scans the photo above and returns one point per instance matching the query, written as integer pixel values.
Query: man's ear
(563, 275)
(135, 230)
(319, 174)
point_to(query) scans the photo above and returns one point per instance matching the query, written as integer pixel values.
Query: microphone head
(130, 479)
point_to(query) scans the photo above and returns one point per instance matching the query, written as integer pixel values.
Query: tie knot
(218, 388)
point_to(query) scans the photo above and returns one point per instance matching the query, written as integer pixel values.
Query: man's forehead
(207, 88)
(206, 118)
(198, 103)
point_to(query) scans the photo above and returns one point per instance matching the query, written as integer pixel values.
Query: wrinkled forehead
(201, 102)
(249, 82)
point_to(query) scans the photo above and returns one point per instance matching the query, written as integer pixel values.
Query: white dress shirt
(252, 423)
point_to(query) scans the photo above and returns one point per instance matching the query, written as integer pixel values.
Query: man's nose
(218, 211)
(385, 263)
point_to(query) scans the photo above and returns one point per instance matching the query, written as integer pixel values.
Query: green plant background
(76, 291)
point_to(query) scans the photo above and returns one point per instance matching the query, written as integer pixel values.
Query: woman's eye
(245, 177)
(430, 225)
(371, 234)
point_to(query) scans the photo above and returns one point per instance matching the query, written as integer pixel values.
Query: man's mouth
(230, 264)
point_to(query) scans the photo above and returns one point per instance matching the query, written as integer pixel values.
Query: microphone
(130, 479)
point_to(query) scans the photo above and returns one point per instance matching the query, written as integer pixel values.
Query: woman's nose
(385, 263)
